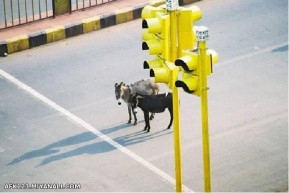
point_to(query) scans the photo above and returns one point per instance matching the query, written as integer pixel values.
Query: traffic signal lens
(145, 46)
(146, 65)
(152, 24)
(144, 24)
(152, 73)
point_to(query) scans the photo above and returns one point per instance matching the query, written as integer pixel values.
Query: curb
(87, 25)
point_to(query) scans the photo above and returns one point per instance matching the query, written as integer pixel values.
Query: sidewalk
(64, 26)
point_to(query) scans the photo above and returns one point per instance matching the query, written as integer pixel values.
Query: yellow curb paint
(124, 15)
(55, 34)
(91, 24)
(17, 44)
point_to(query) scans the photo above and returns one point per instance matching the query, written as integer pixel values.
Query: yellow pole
(176, 109)
(173, 36)
(177, 134)
(205, 124)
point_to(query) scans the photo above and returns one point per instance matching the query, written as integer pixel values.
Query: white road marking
(89, 127)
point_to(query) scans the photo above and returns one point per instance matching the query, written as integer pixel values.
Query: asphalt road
(49, 130)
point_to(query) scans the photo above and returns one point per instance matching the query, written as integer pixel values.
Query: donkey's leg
(129, 112)
(171, 121)
(134, 115)
(152, 116)
(147, 121)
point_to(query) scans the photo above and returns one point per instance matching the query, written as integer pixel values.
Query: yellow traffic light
(190, 76)
(146, 35)
(167, 73)
(154, 63)
(189, 83)
(150, 11)
(213, 58)
(190, 63)
(186, 36)
(161, 74)
(156, 35)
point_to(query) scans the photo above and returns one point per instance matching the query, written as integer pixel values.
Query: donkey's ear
(115, 85)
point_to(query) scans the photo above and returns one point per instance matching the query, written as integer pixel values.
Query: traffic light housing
(191, 65)
(186, 35)
(167, 73)
(156, 27)
(150, 11)
(154, 63)
(189, 62)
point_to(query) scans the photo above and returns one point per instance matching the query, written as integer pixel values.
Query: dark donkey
(122, 92)
(154, 104)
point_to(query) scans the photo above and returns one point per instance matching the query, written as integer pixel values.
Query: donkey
(146, 87)
(154, 104)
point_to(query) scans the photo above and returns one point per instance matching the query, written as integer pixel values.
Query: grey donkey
(144, 87)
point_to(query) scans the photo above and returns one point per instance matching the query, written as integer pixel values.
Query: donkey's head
(118, 91)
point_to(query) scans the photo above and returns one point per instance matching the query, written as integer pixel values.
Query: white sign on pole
(202, 33)
(172, 4)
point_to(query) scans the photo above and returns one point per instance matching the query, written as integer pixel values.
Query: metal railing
(17, 12)
(83, 4)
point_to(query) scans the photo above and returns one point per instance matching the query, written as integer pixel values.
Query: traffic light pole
(177, 136)
(176, 109)
(173, 36)
(205, 124)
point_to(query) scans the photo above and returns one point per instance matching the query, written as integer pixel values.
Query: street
(60, 121)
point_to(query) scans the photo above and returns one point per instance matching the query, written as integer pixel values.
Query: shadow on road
(50, 149)
(281, 49)
(94, 148)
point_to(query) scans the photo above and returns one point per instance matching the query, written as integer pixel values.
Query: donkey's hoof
(135, 123)
(128, 122)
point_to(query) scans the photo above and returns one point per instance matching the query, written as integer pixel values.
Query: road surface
(60, 122)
